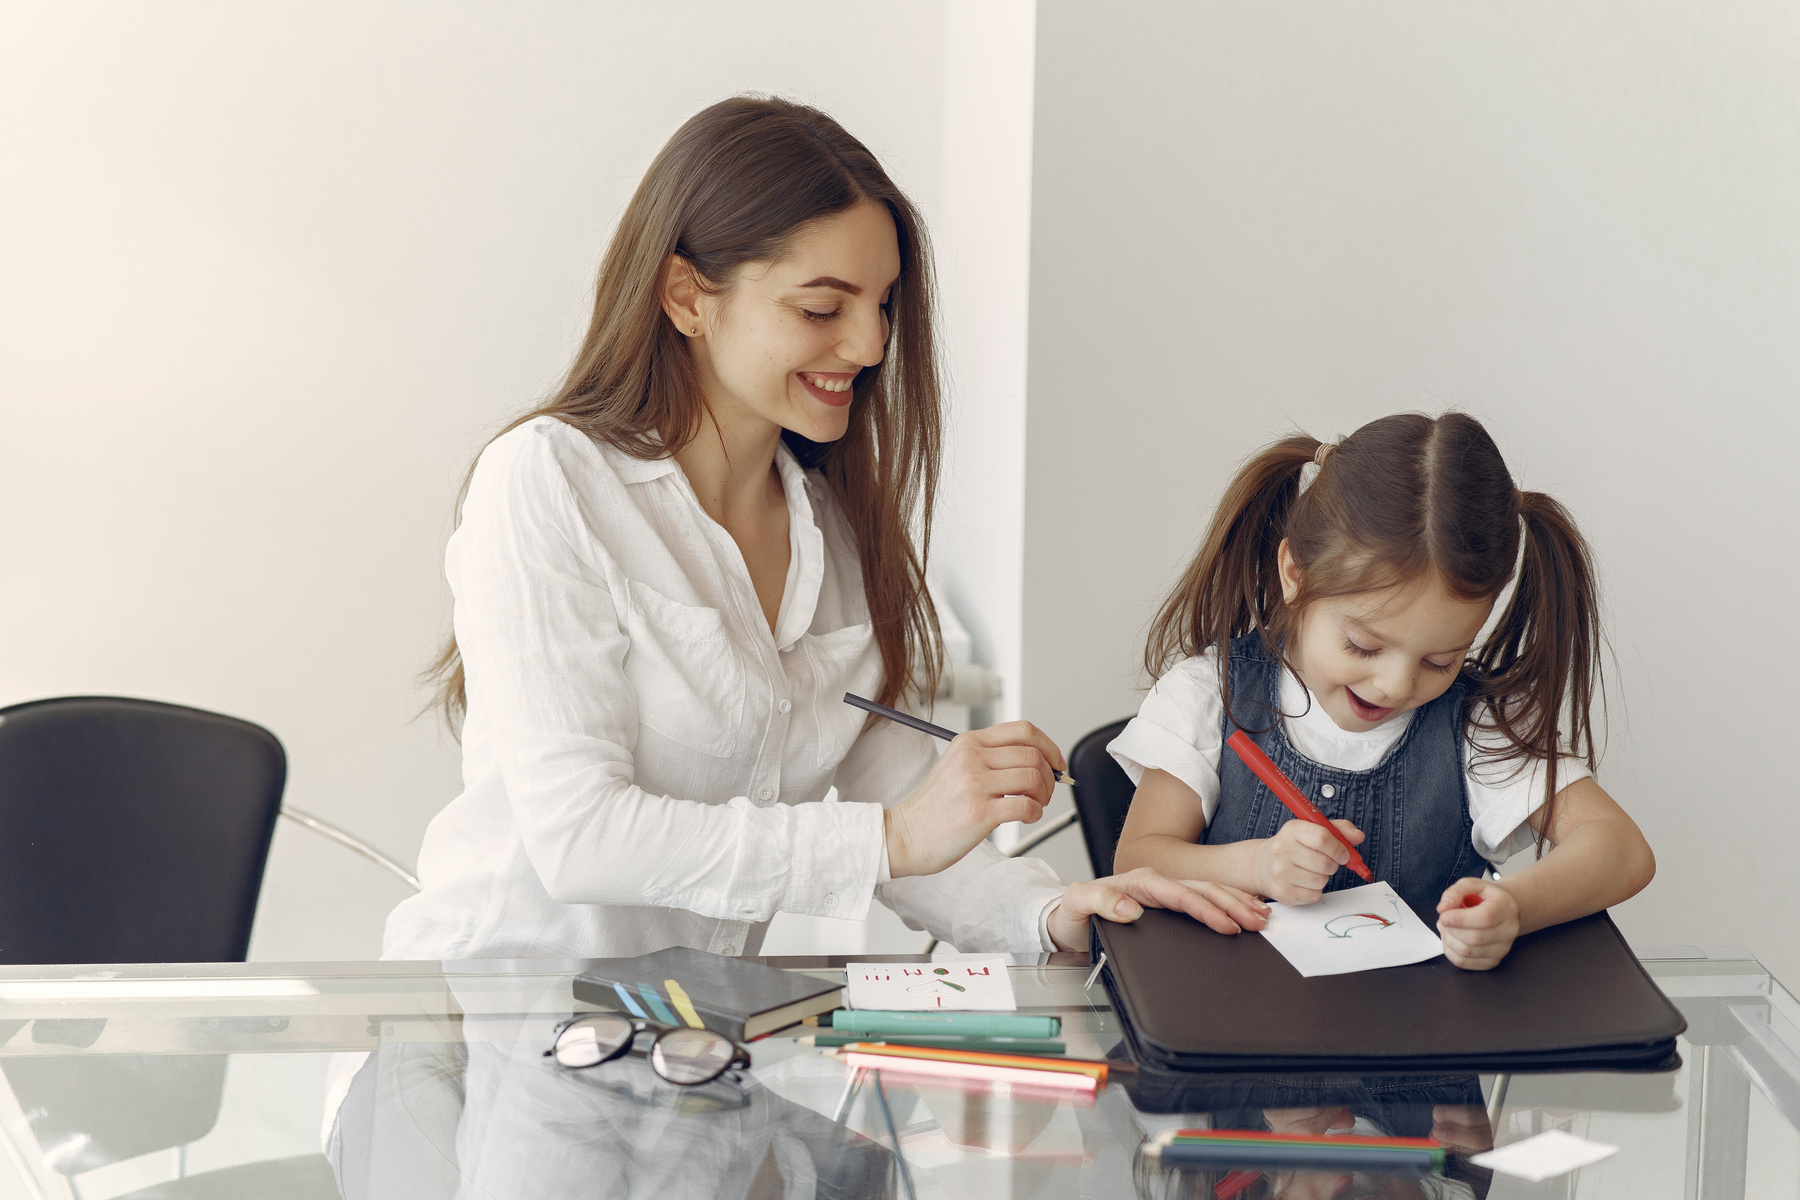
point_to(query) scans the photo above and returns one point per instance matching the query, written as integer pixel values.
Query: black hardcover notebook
(732, 996)
(1572, 997)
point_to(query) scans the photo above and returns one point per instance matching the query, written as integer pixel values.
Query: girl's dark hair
(733, 186)
(1400, 497)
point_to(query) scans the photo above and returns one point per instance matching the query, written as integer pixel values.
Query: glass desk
(210, 1082)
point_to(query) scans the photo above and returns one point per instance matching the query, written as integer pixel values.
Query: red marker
(1265, 769)
(1471, 900)
(1233, 1183)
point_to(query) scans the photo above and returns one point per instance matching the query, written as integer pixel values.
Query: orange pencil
(1096, 1071)
(1265, 769)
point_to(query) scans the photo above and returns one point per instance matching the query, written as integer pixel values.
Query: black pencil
(920, 724)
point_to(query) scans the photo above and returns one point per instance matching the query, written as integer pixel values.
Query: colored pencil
(1293, 1149)
(1263, 1135)
(861, 1058)
(1089, 1068)
(960, 1024)
(1272, 1154)
(991, 1045)
(920, 724)
(1265, 769)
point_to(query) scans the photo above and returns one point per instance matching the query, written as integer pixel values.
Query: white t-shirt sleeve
(1177, 729)
(1505, 792)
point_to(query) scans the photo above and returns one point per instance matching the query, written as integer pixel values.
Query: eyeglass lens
(592, 1040)
(691, 1055)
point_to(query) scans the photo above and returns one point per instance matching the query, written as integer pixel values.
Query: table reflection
(433, 1122)
(1447, 1109)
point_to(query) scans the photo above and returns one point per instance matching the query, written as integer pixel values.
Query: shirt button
(1327, 791)
(830, 900)
(783, 705)
(765, 792)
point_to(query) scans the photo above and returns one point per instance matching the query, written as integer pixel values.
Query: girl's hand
(1476, 938)
(1330, 1119)
(985, 779)
(1124, 897)
(1462, 1127)
(1294, 865)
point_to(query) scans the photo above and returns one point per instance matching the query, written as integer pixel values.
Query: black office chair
(1102, 795)
(135, 832)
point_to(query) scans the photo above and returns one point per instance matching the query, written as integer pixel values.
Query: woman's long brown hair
(734, 186)
(1400, 497)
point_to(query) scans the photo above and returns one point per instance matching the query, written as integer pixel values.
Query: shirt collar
(631, 469)
(806, 541)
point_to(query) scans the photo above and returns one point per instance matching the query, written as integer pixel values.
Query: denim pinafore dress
(1413, 806)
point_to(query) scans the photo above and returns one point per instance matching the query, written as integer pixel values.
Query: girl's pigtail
(1232, 585)
(1540, 671)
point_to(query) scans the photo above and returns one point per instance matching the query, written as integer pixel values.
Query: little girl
(1333, 613)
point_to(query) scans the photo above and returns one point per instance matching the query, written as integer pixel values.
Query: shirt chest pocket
(688, 673)
(844, 660)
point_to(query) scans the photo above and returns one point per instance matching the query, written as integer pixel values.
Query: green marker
(957, 1024)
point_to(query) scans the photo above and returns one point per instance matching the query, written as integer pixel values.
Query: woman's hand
(1476, 938)
(1124, 897)
(1294, 865)
(985, 779)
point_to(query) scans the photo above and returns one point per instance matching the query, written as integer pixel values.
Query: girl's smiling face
(1370, 656)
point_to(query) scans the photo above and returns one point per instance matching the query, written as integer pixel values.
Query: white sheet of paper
(1544, 1156)
(968, 983)
(1358, 929)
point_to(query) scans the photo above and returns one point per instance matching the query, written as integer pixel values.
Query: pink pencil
(1066, 1080)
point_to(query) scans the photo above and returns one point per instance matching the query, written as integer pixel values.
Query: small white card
(969, 983)
(1544, 1156)
(1358, 929)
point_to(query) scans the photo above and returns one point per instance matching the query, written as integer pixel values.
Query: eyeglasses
(688, 1057)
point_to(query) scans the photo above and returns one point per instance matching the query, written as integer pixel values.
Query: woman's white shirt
(1178, 729)
(643, 761)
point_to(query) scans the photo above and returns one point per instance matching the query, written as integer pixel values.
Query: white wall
(1580, 222)
(272, 275)
(983, 236)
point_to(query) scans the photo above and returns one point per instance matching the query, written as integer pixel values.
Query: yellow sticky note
(679, 998)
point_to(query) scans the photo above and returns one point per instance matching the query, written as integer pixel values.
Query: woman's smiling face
(786, 341)
(1370, 656)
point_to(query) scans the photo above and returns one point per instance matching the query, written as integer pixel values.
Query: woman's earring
(696, 331)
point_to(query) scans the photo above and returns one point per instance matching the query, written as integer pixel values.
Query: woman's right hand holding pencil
(986, 778)
(1294, 865)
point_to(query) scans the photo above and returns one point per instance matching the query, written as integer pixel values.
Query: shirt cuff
(838, 852)
(1050, 906)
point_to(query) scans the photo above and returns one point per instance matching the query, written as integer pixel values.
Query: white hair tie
(1310, 471)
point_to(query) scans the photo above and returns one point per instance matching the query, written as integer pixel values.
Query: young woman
(667, 577)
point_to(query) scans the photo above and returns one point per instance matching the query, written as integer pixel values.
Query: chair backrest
(1102, 795)
(133, 831)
